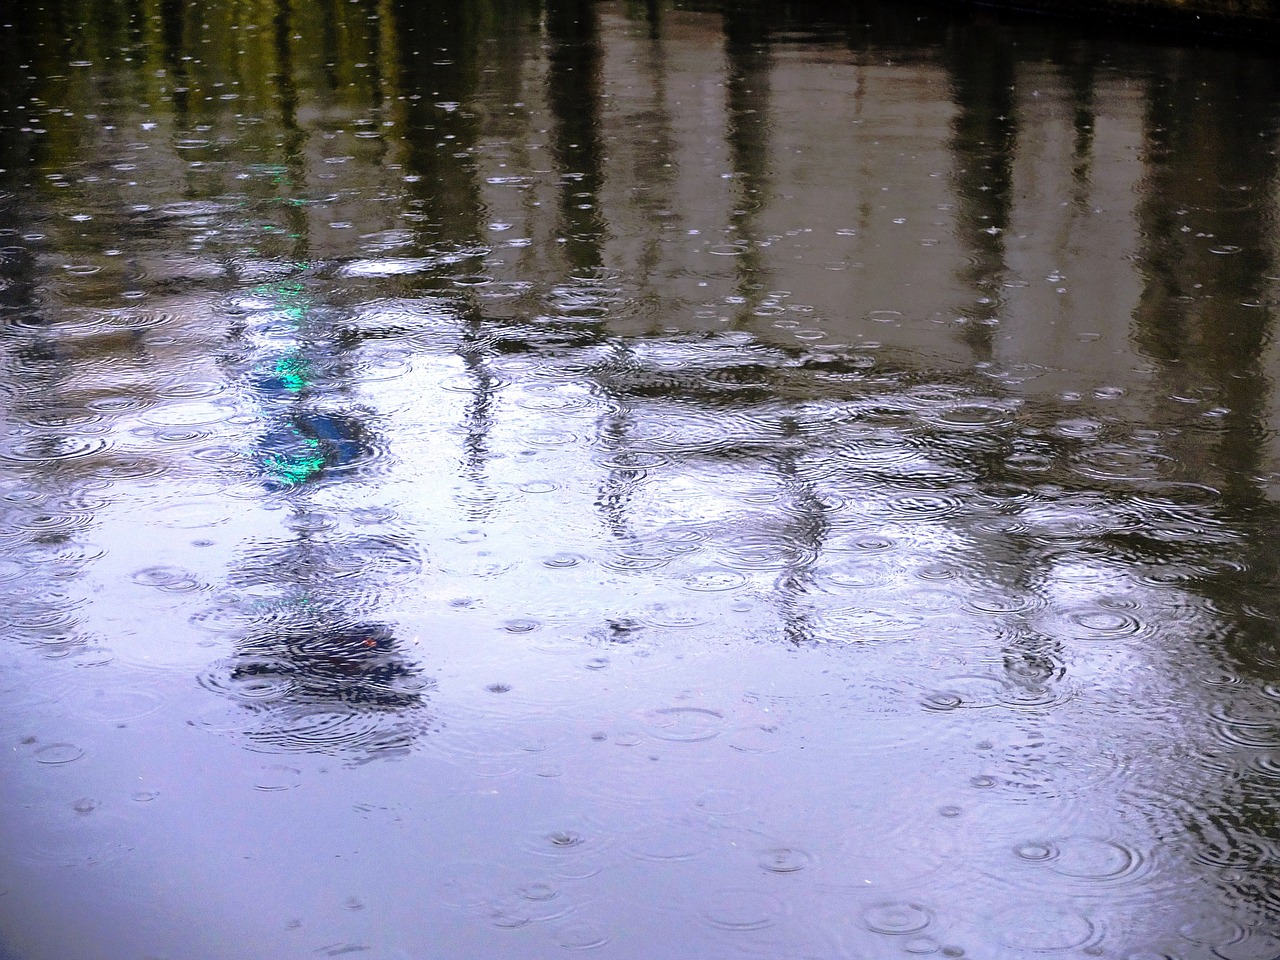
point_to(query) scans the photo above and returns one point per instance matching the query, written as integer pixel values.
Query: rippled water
(487, 479)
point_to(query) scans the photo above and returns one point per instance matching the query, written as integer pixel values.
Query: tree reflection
(443, 127)
(1206, 311)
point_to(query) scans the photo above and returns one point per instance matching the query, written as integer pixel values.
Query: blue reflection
(309, 444)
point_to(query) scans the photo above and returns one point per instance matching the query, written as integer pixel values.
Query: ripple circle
(897, 917)
(58, 753)
(1043, 927)
(685, 724)
(742, 910)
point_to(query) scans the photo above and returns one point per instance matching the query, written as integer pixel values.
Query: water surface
(491, 479)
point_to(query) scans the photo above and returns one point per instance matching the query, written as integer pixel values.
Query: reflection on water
(501, 475)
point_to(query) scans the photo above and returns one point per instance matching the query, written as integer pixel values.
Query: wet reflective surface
(487, 479)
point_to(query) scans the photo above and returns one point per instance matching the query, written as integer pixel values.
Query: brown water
(481, 480)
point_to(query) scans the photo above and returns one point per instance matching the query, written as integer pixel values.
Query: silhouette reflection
(316, 666)
(314, 671)
(357, 664)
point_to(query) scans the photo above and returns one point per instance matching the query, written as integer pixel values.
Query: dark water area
(503, 479)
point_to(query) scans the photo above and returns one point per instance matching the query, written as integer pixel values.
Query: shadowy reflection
(1082, 73)
(1206, 318)
(656, 173)
(748, 107)
(1206, 313)
(807, 530)
(985, 142)
(579, 300)
(314, 670)
(437, 63)
(573, 95)
(357, 664)
(173, 30)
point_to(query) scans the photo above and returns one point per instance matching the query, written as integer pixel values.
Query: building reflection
(1206, 316)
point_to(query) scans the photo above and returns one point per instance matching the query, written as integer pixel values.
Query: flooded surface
(489, 480)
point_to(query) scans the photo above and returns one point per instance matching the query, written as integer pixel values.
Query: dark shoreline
(1238, 20)
(1252, 25)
